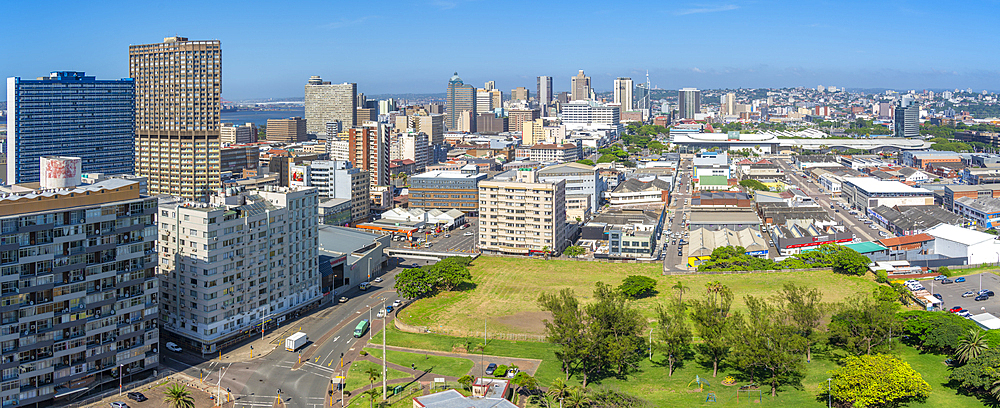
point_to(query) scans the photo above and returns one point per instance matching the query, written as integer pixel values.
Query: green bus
(361, 329)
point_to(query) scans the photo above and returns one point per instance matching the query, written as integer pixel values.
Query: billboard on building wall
(60, 172)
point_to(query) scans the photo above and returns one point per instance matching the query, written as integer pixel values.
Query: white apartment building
(339, 149)
(549, 153)
(240, 260)
(238, 134)
(412, 145)
(519, 215)
(336, 179)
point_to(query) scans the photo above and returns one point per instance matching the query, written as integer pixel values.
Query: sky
(270, 49)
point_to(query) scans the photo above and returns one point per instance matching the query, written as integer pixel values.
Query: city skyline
(272, 52)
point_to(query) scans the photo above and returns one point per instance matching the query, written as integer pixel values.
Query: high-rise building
(211, 298)
(460, 98)
(623, 94)
(490, 124)
(580, 87)
(326, 102)
(520, 228)
(906, 118)
(520, 94)
(544, 90)
(368, 146)
(517, 118)
(386, 105)
(238, 134)
(484, 101)
(289, 130)
(444, 190)
(178, 94)
(490, 85)
(363, 115)
(432, 125)
(729, 104)
(79, 279)
(411, 145)
(689, 102)
(64, 112)
(533, 132)
(336, 179)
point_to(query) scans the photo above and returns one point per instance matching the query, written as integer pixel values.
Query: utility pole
(650, 344)
(218, 387)
(385, 325)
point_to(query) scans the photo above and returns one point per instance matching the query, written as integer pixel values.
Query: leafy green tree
(865, 323)
(753, 185)
(177, 396)
(466, 382)
(637, 286)
(414, 283)
(616, 329)
(978, 375)
(574, 250)
(450, 272)
(567, 330)
(971, 346)
(674, 335)
(850, 262)
(878, 380)
(713, 323)
(610, 398)
(805, 309)
(607, 158)
(769, 349)
(934, 331)
(500, 370)
(524, 382)
(586, 161)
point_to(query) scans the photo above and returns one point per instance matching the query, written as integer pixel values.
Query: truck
(295, 341)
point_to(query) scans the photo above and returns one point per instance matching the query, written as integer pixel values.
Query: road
(255, 384)
(825, 200)
(457, 242)
(679, 206)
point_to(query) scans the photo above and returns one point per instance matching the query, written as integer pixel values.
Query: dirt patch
(525, 322)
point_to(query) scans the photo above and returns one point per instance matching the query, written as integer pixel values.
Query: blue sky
(271, 48)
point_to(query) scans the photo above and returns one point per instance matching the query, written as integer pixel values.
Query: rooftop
(906, 240)
(454, 399)
(960, 235)
(703, 241)
(634, 186)
(872, 185)
(447, 174)
(714, 217)
(865, 247)
(987, 205)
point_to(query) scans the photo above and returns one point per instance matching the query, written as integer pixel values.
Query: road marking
(319, 366)
(336, 338)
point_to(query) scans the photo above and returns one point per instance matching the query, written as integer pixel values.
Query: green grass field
(507, 289)
(449, 366)
(356, 377)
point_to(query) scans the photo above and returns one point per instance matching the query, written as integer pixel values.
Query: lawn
(449, 366)
(507, 289)
(356, 377)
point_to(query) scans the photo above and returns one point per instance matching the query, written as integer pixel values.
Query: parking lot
(456, 240)
(952, 293)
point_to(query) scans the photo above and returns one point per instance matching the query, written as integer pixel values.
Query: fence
(161, 374)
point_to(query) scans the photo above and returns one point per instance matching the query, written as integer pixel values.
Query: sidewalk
(272, 339)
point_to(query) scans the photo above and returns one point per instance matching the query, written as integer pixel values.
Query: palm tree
(680, 291)
(373, 375)
(177, 396)
(972, 346)
(372, 395)
(558, 389)
(577, 398)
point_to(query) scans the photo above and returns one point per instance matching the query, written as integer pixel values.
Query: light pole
(829, 392)
(218, 385)
(121, 374)
(385, 325)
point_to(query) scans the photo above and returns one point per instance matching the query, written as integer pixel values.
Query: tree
(586, 161)
(753, 185)
(850, 262)
(372, 395)
(805, 309)
(979, 374)
(450, 272)
(577, 398)
(574, 251)
(567, 328)
(524, 381)
(616, 330)
(607, 158)
(769, 347)
(558, 389)
(466, 382)
(373, 375)
(713, 322)
(679, 286)
(674, 335)
(636, 286)
(935, 331)
(413, 283)
(971, 346)
(865, 323)
(177, 396)
(876, 381)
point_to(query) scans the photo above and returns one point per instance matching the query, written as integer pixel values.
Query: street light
(218, 389)
(650, 344)
(120, 375)
(829, 392)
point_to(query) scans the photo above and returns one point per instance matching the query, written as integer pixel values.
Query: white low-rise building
(957, 242)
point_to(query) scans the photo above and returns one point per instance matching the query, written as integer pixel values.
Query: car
(380, 314)
(118, 404)
(986, 292)
(414, 265)
(940, 277)
(831, 206)
(989, 293)
(955, 309)
(512, 372)
(343, 299)
(938, 296)
(174, 347)
(396, 303)
(946, 281)
(377, 280)
(960, 280)
(912, 282)
(981, 298)
(968, 294)
(137, 396)
(491, 368)
(388, 309)
(468, 234)
(447, 235)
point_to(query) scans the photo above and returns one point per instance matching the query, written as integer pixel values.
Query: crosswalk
(257, 401)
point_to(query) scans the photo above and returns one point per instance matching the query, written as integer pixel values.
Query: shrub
(500, 371)
(636, 286)
(881, 276)
(945, 271)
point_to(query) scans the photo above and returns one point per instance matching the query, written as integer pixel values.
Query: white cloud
(705, 9)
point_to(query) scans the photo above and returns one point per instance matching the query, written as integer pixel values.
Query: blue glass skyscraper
(70, 114)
